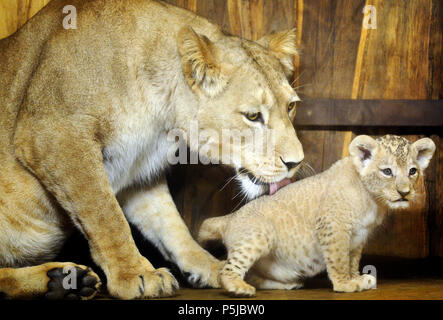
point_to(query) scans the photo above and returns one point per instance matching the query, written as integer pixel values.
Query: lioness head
(246, 105)
(390, 166)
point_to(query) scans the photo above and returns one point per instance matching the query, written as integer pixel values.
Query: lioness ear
(283, 46)
(425, 150)
(362, 149)
(198, 63)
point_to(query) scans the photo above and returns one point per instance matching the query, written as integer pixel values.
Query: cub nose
(290, 164)
(403, 193)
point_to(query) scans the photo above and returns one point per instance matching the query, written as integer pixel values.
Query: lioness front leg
(153, 211)
(71, 168)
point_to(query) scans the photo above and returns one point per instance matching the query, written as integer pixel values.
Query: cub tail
(212, 229)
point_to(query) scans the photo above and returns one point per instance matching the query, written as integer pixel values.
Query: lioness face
(390, 166)
(246, 106)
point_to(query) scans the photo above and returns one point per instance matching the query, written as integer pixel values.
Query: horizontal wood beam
(374, 113)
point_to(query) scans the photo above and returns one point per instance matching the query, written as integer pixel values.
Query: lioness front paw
(82, 284)
(144, 284)
(160, 283)
(205, 273)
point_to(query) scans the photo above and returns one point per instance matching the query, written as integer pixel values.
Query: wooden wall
(401, 59)
(14, 14)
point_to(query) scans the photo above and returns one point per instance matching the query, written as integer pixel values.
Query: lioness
(84, 120)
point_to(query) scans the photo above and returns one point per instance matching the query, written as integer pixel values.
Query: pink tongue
(275, 186)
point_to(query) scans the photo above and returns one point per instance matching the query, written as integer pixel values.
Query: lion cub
(321, 222)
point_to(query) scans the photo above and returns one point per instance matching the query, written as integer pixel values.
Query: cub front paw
(237, 287)
(144, 284)
(368, 281)
(360, 283)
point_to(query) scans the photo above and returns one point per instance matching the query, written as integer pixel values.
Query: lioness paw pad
(76, 283)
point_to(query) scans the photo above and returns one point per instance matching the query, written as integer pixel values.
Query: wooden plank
(436, 92)
(369, 113)
(329, 47)
(435, 203)
(216, 11)
(188, 4)
(298, 13)
(320, 288)
(330, 39)
(396, 60)
(435, 51)
(15, 13)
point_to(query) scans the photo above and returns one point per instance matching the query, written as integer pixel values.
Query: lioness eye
(291, 106)
(412, 171)
(387, 172)
(256, 116)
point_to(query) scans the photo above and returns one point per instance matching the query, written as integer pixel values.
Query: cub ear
(283, 46)
(198, 63)
(425, 150)
(362, 149)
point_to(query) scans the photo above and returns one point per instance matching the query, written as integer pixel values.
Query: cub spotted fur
(321, 222)
(84, 122)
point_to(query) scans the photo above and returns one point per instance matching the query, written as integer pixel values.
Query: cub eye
(412, 171)
(387, 172)
(291, 106)
(256, 116)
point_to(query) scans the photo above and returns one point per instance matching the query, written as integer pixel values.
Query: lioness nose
(290, 164)
(403, 193)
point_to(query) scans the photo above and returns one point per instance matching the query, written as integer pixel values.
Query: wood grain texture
(396, 55)
(15, 13)
(434, 187)
(390, 289)
(370, 113)
(327, 66)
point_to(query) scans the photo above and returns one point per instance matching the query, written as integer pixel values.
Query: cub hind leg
(53, 280)
(241, 257)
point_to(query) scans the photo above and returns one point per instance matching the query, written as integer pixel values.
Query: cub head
(245, 105)
(390, 166)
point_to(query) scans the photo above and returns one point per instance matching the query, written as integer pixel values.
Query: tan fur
(321, 222)
(84, 118)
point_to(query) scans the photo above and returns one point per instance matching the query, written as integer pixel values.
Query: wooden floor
(387, 289)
